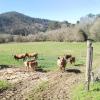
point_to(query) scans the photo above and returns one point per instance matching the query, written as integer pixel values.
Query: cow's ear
(58, 57)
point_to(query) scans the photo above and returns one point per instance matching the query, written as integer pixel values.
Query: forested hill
(16, 23)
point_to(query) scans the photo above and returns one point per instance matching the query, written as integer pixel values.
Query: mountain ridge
(17, 23)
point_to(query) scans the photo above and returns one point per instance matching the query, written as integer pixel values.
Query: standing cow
(72, 60)
(61, 63)
(32, 55)
(20, 56)
(31, 65)
(68, 56)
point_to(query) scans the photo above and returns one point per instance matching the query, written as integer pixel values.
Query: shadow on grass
(97, 89)
(76, 71)
(39, 69)
(4, 66)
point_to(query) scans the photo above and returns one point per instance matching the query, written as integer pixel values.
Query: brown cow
(20, 56)
(61, 62)
(31, 65)
(72, 60)
(68, 56)
(30, 55)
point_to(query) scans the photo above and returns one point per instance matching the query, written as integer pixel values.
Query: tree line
(86, 28)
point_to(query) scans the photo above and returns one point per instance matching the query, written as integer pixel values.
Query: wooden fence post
(92, 73)
(88, 64)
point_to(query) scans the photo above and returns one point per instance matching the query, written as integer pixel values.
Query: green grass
(4, 85)
(80, 94)
(48, 52)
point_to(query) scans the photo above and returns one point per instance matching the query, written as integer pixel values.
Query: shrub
(4, 85)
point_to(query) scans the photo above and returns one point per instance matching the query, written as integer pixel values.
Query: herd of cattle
(32, 64)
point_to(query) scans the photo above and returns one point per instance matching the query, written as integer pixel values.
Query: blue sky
(70, 10)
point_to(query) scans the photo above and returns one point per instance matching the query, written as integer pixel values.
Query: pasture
(47, 58)
(48, 53)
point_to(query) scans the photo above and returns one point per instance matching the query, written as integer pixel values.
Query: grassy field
(48, 52)
(93, 94)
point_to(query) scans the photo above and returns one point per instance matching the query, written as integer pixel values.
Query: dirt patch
(58, 84)
(59, 87)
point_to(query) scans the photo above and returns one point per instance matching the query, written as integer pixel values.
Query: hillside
(17, 23)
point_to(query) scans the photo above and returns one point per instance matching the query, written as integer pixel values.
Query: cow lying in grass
(20, 56)
(32, 55)
(61, 63)
(31, 65)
